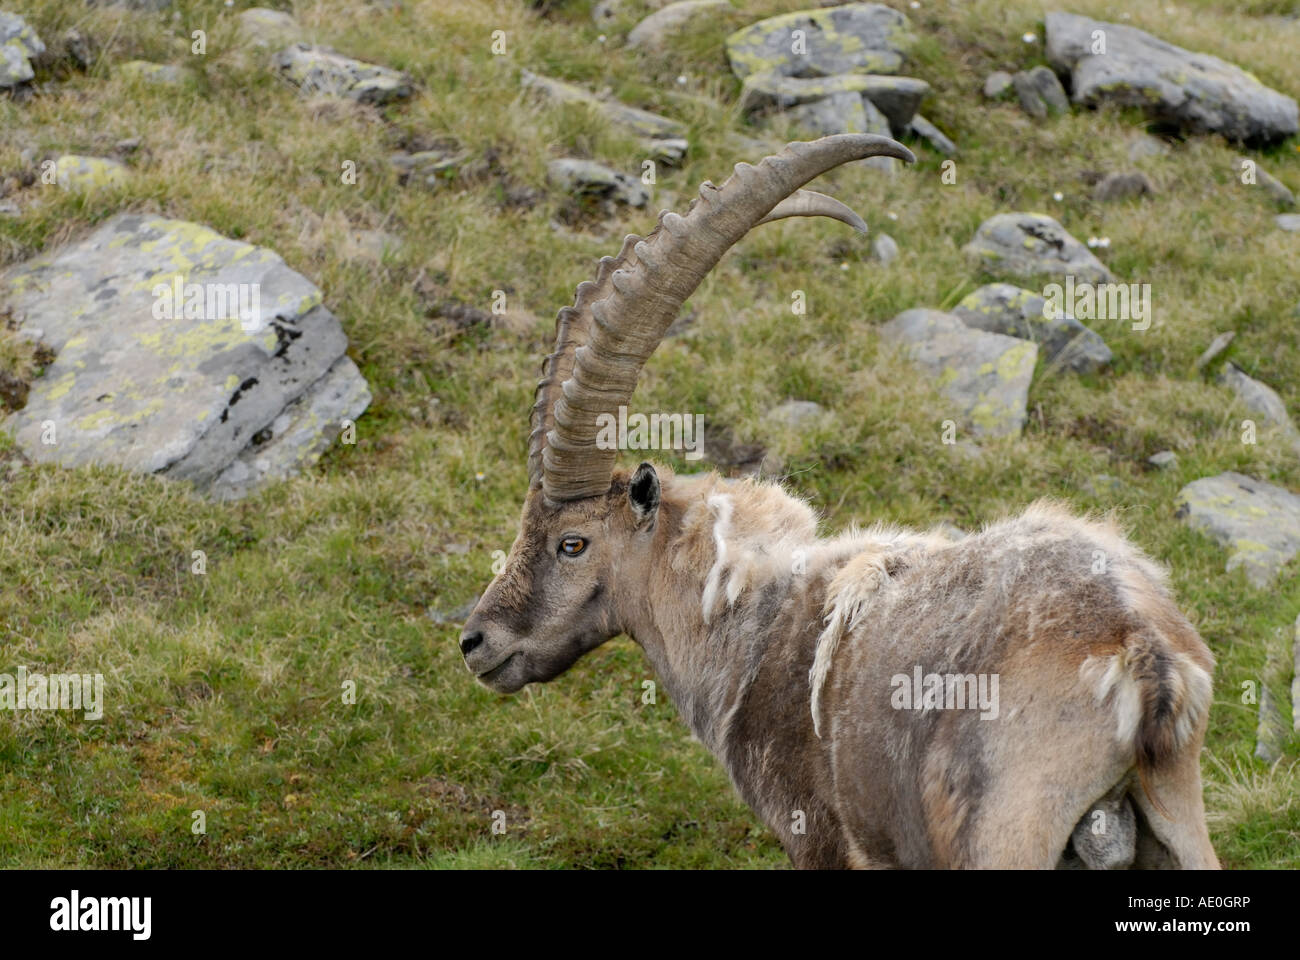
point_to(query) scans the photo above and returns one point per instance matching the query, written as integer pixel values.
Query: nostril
(469, 641)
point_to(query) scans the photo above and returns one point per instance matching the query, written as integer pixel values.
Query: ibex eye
(572, 546)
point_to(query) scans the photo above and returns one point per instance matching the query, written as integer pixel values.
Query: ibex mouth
(487, 676)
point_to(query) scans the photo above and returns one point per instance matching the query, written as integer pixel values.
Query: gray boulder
(985, 375)
(182, 352)
(1007, 309)
(855, 38)
(1258, 522)
(18, 45)
(1040, 93)
(1031, 245)
(316, 69)
(1197, 92)
(895, 97)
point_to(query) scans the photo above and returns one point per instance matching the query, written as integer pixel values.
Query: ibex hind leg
(1181, 840)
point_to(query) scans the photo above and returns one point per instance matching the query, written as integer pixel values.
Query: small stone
(1102, 485)
(932, 135)
(657, 30)
(1270, 730)
(1260, 399)
(1277, 191)
(796, 413)
(261, 27)
(162, 73)
(1123, 186)
(884, 249)
(1216, 347)
(997, 84)
(587, 178)
(1165, 459)
(1295, 679)
(1040, 93)
(1144, 145)
(1289, 222)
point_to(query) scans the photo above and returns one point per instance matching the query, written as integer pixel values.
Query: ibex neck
(730, 560)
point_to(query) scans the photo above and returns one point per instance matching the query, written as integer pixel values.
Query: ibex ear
(643, 494)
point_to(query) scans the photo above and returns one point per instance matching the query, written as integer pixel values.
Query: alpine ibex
(829, 676)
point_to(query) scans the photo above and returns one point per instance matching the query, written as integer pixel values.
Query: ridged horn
(618, 319)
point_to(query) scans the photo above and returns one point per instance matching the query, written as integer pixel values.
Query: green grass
(225, 691)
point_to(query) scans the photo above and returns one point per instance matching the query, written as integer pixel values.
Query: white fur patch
(720, 506)
(851, 592)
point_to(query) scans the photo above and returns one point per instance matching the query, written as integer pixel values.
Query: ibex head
(583, 522)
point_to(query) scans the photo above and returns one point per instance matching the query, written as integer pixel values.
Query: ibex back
(1028, 696)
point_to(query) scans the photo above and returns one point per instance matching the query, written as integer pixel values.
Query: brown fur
(727, 588)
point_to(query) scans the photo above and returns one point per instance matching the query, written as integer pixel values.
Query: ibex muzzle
(883, 698)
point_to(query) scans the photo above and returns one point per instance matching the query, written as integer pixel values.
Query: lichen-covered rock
(986, 375)
(588, 179)
(642, 122)
(260, 27)
(1040, 92)
(164, 73)
(1007, 309)
(1031, 245)
(179, 351)
(83, 174)
(932, 135)
(658, 29)
(1260, 399)
(896, 97)
(322, 70)
(18, 45)
(855, 38)
(1195, 91)
(1257, 521)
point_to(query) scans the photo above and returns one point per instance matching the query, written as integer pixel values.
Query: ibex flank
(881, 699)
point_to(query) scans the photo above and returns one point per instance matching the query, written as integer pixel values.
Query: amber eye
(572, 546)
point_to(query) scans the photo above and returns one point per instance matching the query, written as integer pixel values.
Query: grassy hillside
(224, 690)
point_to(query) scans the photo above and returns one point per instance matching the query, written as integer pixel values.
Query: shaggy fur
(782, 652)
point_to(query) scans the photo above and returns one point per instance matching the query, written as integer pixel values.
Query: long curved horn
(618, 319)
